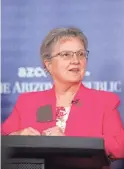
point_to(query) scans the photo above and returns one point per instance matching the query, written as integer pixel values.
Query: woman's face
(64, 65)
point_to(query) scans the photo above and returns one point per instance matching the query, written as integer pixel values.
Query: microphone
(75, 101)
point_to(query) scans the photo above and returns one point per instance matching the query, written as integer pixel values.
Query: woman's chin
(74, 80)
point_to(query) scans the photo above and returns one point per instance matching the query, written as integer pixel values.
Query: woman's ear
(48, 65)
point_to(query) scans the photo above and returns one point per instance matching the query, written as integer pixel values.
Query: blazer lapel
(78, 114)
(52, 101)
(80, 117)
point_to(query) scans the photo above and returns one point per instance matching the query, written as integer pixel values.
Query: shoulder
(32, 97)
(105, 97)
(34, 94)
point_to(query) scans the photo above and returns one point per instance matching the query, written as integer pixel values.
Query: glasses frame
(59, 54)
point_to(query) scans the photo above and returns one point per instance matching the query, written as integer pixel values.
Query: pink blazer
(96, 115)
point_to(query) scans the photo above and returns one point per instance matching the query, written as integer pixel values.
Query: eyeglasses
(67, 55)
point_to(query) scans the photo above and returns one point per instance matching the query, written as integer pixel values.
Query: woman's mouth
(74, 70)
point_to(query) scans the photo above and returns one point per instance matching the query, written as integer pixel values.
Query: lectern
(47, 152)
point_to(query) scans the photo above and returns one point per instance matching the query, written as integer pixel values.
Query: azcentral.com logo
(31, 72)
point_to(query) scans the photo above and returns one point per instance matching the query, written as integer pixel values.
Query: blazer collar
(81, 93)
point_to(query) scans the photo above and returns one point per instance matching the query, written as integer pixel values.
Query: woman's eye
(81, 54)
(65, 54)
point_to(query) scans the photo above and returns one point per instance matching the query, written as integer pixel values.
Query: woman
(76, 110)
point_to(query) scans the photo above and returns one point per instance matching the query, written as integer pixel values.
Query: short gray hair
(57, 34)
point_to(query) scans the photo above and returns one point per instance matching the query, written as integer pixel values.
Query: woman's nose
(75, 59)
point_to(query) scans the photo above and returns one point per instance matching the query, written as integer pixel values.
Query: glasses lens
(82, 54)
(66, 55)
(69, 54)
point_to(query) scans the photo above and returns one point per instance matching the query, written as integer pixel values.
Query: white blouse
(62, 116)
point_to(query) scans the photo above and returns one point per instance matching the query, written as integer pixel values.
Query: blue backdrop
(24, 25)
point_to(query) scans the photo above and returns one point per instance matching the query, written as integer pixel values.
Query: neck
(64, 88)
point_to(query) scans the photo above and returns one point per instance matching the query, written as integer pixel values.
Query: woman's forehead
(68, 43)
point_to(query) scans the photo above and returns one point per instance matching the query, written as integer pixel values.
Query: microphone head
(76, 102)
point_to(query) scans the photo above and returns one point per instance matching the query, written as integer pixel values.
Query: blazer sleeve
(12, 123)
(113, 130)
